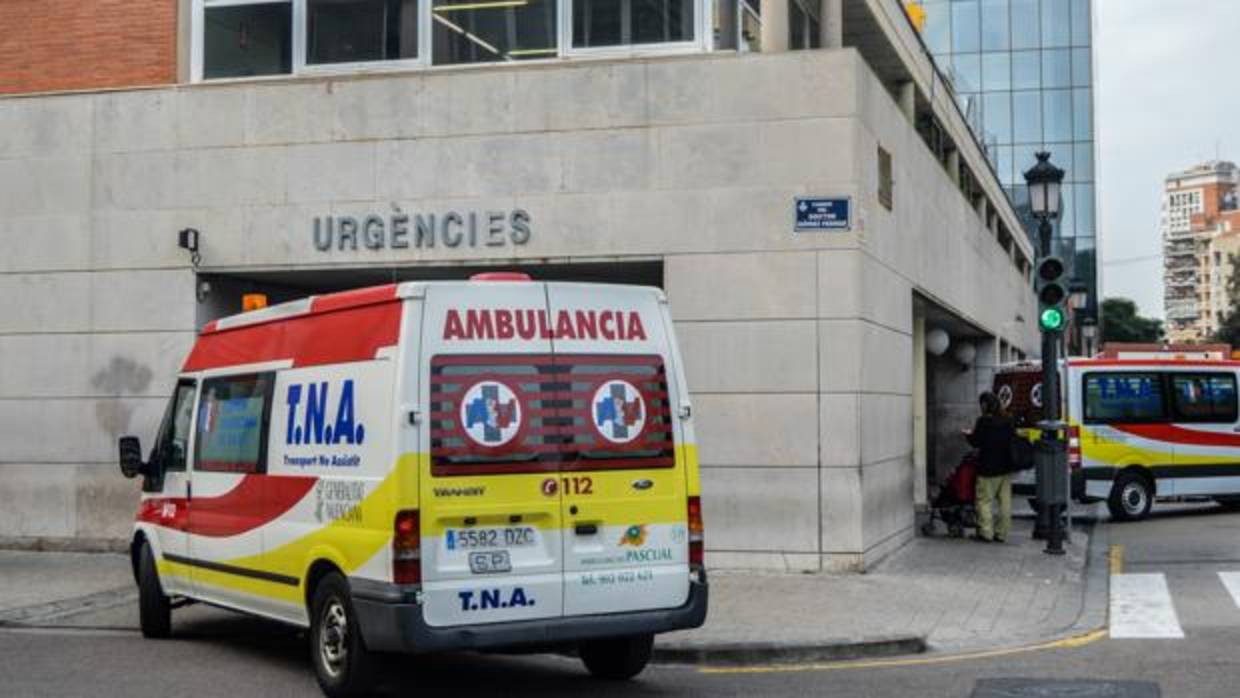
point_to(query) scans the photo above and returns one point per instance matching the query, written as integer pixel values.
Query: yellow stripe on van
(687, 456)
(346, 543)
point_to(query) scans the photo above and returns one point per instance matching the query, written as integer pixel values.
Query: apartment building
(1200, 211)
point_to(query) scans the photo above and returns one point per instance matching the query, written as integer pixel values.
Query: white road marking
(1231, 580)
(1141, 607)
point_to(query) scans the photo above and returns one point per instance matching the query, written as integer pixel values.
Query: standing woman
(992, 436)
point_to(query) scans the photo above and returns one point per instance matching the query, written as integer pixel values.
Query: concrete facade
(799, 348)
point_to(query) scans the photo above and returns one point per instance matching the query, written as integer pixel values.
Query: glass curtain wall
(1023, 69)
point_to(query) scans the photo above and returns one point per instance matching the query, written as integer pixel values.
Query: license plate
(490, 562)
(486, 538)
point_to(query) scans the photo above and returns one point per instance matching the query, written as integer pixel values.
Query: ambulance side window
(174, 435)
(233, 416)
(1132, 398)
(1204, 397)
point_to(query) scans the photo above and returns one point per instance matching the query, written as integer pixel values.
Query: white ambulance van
(1139, 429)
(421, 467)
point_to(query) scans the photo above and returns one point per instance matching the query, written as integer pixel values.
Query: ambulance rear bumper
(392, 626)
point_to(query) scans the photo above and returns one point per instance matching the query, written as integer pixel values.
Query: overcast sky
(1167, 97)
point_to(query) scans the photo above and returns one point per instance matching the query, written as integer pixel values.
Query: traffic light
(1052, 295)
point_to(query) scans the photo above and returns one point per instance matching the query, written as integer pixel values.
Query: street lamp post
(1045, 180)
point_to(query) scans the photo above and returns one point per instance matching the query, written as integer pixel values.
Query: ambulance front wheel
(619, 658)
(154, 608)
(1132, 495)
(342, 664)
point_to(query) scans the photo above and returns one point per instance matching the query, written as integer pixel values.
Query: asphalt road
(219, 654)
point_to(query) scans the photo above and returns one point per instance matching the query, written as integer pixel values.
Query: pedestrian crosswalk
(1142, 604)
(1141, 607)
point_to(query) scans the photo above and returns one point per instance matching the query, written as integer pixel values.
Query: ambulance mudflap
(552, 488)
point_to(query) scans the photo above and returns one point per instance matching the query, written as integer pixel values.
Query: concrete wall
(798, 347)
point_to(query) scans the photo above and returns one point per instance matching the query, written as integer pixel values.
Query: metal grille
(545, 413)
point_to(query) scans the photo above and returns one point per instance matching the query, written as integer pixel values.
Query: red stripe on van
(256, 500)
(1179, 435)
(324, 336)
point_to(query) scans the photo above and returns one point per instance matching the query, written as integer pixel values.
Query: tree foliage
(1229, 322)
(1120, 323)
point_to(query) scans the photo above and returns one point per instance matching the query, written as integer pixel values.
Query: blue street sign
(823, 214)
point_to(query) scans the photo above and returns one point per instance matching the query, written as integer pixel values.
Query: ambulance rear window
(536, 413)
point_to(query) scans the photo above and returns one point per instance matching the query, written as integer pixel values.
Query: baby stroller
(953, 505)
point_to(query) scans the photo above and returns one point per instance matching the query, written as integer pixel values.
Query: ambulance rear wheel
(154, 608)
(1131, 497)
(342, 663)
(619, 658)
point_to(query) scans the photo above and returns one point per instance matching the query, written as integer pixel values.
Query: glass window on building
(1026, 70)
(966, 27)
(995, 26)
(1027, 117)
(1083, 158)
(1061, 157)
(1026, 24)
(803, 29)
(1082, 108)
(937, 32)
(1081, 67)
(1004, 165)
(247, 40)
(1081, 28)
(1057, 117)
(996, 71)
(351, 31)
(1056, 23)
(1066, 226)
(1085, 209)
(967, 72)
(997, 115)
(1057, 68)
(490, 31)
(603, 23)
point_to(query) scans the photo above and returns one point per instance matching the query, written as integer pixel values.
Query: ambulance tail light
(407, 548)
(1074, 447)
(697, 531)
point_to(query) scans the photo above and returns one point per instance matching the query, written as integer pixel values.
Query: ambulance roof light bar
(501, 276)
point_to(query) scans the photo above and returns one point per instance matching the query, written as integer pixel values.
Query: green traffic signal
(1051, 319)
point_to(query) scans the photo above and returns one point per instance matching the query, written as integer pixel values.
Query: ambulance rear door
(490, 517)
(624, 492)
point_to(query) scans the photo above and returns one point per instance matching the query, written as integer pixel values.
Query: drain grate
(1059, 688)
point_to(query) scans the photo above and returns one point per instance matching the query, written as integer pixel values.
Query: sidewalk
(937, 595)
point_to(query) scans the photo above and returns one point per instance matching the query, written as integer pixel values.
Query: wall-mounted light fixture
(187, 239)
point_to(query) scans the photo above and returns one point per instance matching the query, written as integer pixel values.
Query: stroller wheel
(956, 530)
(927, 529)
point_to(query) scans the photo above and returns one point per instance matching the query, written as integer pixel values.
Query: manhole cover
(1054, 688)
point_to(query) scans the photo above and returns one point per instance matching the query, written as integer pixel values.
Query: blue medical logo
(619, 411)
(490, 413)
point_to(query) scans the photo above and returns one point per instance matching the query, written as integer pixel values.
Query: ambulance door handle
(586, 529)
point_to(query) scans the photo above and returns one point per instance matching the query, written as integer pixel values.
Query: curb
(46, 612)
(1096, 599)
(64, 545)
(735, 654)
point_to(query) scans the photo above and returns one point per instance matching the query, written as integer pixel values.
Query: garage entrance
(220, 293)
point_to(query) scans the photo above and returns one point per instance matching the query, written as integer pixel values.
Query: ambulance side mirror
(130, 449)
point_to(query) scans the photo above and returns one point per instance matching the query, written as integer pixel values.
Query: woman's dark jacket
(992, 436)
